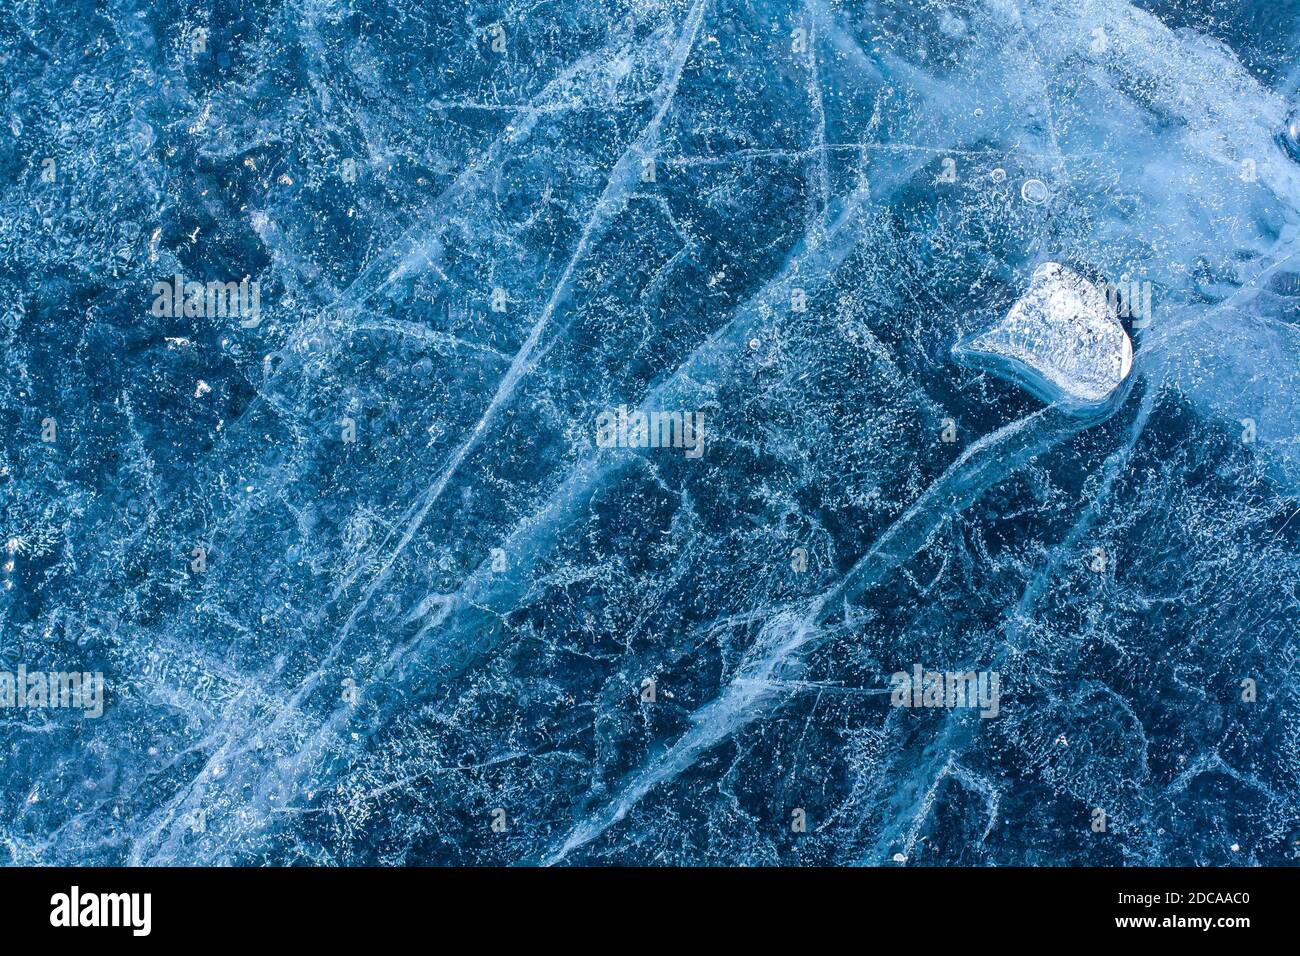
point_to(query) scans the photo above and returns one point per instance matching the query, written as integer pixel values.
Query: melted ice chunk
(1061, 341)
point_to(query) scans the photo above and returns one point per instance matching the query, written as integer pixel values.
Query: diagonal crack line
(986, 462)
(821, 254)
(621, 182)
(411, 245)
(950, 739)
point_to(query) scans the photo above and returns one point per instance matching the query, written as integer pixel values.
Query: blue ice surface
(436, 643)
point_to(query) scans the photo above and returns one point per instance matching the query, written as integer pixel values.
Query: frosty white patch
(1061, 341)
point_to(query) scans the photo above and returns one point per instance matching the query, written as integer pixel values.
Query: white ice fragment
(1061, 341)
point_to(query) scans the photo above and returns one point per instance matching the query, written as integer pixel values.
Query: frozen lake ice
(532, 433)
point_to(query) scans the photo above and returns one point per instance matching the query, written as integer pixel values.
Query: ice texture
(365, 589)
(1061, 339)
